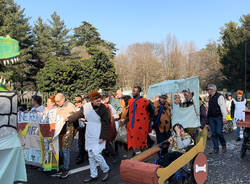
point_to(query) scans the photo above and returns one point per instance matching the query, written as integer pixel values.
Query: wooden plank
(146, 154)
(136, 172)
(243, 124)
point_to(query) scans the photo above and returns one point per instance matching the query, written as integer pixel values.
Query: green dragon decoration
(9, 52)
(10, 145)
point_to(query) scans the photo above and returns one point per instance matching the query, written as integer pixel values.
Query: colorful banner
(36, 133)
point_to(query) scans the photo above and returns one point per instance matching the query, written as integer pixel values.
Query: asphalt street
(227, 168)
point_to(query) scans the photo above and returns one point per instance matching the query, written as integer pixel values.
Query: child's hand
(178, 131)
(170, 140)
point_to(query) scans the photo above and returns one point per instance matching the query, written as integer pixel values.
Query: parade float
(246, 133)
(11, 155)
(141, 170)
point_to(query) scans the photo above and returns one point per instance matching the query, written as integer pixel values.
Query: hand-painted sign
(36, 133)
(200, 168)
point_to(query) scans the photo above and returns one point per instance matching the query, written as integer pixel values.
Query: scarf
(134, 108)
(158, 117)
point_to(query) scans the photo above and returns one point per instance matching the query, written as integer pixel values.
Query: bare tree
(148, 63)
(139, 66)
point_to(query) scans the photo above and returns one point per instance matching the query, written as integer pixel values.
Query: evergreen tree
(234, 39)
(59, 37)
(104, 71)
(88, 36)
(70, 78)
(76, 76)
(42, 41)
(14, 23)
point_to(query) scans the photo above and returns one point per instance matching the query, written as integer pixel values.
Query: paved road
(226, 168)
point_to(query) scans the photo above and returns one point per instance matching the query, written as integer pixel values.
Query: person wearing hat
(97, 118)
(238, 106)
(217, 115)
(188, 95)
(162, 119)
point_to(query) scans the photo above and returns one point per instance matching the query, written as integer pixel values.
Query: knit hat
(94, 95)
(212, 86)
(239, 92)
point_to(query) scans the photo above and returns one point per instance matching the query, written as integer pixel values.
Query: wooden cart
(137, 171)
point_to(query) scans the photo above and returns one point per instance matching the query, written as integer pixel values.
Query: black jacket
(203, 116)
(104, 114)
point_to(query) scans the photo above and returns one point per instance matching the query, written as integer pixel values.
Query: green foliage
(46, 54)
(71, 77)
(51, 40)
(234, 38)
(59, 36)
(14, 23)
(42, 42)
(88, 36)
(105, 76)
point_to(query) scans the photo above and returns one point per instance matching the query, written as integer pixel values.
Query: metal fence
(25, 98)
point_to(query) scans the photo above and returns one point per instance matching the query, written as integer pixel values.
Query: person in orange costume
(138, 120)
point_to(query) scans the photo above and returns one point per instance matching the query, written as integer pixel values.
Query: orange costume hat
(239, 92)
(94, 95)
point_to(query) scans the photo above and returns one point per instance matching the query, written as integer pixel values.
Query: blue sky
(128, 21)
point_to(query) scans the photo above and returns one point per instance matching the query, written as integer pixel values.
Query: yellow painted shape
(24, 132)
(165, 173)
(51, 165)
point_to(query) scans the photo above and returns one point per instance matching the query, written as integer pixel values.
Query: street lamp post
(246, 69)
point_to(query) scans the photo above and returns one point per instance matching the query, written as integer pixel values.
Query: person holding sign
(65, 108)
(37, 106)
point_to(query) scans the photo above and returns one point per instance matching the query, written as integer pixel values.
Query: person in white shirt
(229, 103)
(37, 106)
(237, 110)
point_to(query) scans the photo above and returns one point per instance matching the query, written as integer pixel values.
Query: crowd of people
(106, 122)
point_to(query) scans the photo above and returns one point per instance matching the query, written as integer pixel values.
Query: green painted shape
(3, 87)
(9, 47)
